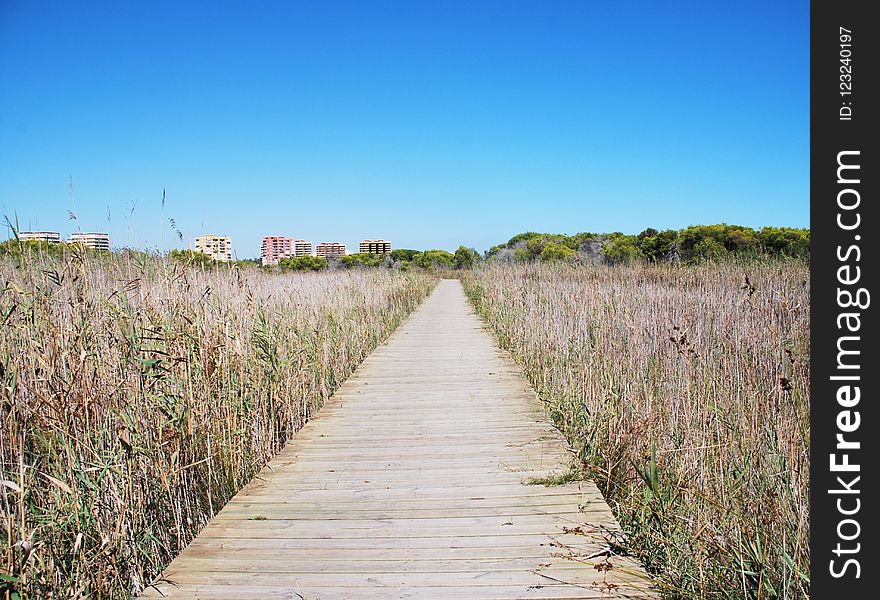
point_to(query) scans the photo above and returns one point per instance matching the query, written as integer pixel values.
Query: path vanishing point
(416, 480)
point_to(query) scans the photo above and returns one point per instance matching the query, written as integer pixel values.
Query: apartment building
(330, 249)
(50, 237)
(274, 248)
(95, 241)
(302, 248)
(217, 247)
(375, 247)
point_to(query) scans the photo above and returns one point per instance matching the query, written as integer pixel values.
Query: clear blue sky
(432, 124)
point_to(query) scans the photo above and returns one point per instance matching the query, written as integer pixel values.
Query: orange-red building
(274, 248)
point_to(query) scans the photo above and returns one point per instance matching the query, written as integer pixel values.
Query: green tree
(785, 241)
(402, 254)
(434, 259)
(303, 263)
(622, 249)
(657, 245)
(692, 244)
(535, 246)
(465, 258)
(741, 240)
(554, 251)
(191, 258)
(708, 249)
(691, 241)
(494, 250)
(18, 247)
(361, 260)
(522, 237)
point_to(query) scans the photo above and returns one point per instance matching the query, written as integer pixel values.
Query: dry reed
(686, 392)
(138, 396)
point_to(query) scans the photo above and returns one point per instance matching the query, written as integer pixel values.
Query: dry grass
(138, 396)
(686, 390)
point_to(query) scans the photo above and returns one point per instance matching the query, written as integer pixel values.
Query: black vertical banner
(845, 424)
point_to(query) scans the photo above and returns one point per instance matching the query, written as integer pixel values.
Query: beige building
(95, 241)
(302, 248)
(375, 247)
(330, 249)
(50, 237)
(217, 247)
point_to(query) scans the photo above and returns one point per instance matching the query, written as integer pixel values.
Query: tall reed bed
(138, 396)
(686, 392)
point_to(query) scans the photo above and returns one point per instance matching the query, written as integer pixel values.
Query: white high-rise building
(50, 237)
(95, 241)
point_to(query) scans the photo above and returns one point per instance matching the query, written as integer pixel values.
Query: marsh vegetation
(685, 390)
(138, 395)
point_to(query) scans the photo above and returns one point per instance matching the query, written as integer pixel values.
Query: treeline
(18, 247)
(695, 244)
(698, 243)
(401, 259)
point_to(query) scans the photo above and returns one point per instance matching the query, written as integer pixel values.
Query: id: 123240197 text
(846, 75)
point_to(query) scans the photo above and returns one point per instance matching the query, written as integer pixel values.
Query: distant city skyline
(432, 126)
(183, 242)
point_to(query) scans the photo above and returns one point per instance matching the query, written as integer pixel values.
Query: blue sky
(430, 124)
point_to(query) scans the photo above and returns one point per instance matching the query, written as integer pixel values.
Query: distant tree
(580, 240)
(501, 255)
(707, 249)
(659, 246)
(303, 263)
(622, 249)
(521, 238)
(696, 243)
(785, 241)
(465, 258)
(692, 246)
(534, 247)
(433, 259)
(361, 260)
(555, 251)
(18, 247)
(191, 257)
(403, 254)
(494, 250)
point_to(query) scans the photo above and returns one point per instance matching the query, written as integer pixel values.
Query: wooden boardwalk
(413, 482)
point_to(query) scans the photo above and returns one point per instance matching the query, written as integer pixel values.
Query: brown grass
(686, 391)
(138, 396)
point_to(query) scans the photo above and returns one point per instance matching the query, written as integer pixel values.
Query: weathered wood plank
(248, 591)
(413, 482)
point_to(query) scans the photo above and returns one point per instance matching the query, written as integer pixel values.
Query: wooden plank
(305, 554)
(243, 563)
(411, 482)
(248, 591)
(415, 505)
(413, 489)
(465, 541)
(586, 577)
